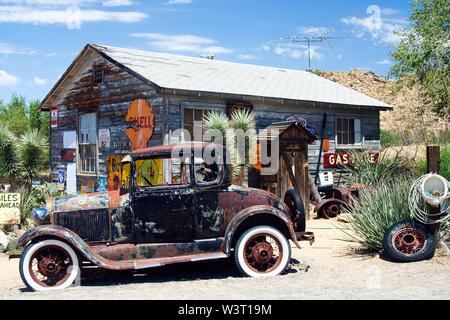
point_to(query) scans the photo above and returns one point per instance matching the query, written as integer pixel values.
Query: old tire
(293, 200)
(409, 241)
(262, 251)
(57, 265)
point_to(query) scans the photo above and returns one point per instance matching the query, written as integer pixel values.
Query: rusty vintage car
(167, 210)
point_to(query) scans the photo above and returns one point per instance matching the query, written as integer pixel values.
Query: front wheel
(409, 241)
(262, 251)
(48, 265)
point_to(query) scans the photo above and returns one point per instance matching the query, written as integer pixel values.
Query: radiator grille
(90, 225)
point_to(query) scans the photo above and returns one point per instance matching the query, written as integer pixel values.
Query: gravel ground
(330, 269)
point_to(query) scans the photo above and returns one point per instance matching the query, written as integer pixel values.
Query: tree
(22, 158)
(423, 56)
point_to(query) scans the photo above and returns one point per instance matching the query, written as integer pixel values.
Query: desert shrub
(388, 139)
(386, 168)
(35, 198)
(376, 209)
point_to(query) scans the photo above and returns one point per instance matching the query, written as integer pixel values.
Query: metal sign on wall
(139, 123)
(54, 116)
(9, 208)
(342, 159)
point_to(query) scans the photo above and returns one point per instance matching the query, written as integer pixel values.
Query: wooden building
(110, 98)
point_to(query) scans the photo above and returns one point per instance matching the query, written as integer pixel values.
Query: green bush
(377, 209)
(35, 198)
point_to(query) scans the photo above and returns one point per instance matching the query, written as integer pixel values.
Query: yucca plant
(240, 120)
(22, 158)
(377, 209)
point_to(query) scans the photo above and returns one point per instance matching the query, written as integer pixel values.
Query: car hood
(89, 201)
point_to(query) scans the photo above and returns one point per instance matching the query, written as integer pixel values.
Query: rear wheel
(409, 241)
(48, 265)
(262, 251)
(295, 204)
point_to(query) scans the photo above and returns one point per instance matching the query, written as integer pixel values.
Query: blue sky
(40, 38)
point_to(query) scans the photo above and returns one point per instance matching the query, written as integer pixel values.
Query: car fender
(244, 214)
(66, 235)
(327, 201)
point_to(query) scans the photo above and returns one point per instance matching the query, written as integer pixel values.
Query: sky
(40, 38)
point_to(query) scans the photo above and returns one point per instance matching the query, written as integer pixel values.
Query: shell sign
(139, 123)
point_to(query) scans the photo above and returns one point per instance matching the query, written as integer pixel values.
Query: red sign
(54, 116)
(139, 123)
(342, 159)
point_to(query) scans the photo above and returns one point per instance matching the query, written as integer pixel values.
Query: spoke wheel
(409, 240)
(48, 265)
(263, 253)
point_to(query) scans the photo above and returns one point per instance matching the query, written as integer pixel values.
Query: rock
(3, 240)
(20, 233)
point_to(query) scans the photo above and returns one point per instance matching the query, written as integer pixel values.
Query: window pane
(188, 117)
(339, 124)
(198, 115)
(160, 172)
(88, 157)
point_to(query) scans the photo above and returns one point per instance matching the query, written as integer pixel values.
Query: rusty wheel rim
(409, 240)
(263, 253)
(49, 266)
(332, 211)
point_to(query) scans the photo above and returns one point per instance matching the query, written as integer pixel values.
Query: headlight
(40, 216)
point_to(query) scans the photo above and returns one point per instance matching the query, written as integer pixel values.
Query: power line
(311, 39)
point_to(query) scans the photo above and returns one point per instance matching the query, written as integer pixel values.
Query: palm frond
(33, 147)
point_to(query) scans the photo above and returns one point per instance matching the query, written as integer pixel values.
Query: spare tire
(295, 204)
(409, 241)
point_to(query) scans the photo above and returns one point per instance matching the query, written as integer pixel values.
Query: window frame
(357, 135)
(203, 108)
(79, 162)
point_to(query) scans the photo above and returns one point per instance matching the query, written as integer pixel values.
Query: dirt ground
(330, 269)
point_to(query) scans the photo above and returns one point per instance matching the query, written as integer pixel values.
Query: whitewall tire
(262, 251)
(49, 265)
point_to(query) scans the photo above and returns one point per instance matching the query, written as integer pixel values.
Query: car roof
(188, 146)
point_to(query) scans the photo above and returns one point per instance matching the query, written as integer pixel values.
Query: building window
(97, 74)
(348, 131)
(87, 143)
(193, 123)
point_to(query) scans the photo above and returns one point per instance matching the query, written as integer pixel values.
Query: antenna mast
(309, 39)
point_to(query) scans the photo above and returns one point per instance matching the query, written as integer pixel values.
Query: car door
(163, 207)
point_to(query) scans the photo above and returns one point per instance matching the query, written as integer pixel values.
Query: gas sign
(139, 123)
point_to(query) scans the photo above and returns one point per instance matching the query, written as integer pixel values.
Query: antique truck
(166, 210)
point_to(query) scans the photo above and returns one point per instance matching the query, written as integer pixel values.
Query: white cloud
(381, 30)
(39, 81)
(179, 2)
(297, 51)
(117, 3)
(7, 80)
(389, 11)
(247, 57)
(52, 54)
(6, 48)
(73, 16)
(384, 62)
(315, 31)
(183, 43)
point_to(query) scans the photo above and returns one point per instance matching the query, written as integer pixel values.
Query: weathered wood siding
(110, 101)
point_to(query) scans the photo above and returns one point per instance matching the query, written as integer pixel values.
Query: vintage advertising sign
(87, 186)
(139, 123)
(54, 116)
(9, 208)
(297, 118)
(102, 184)
(342, 159)
(104, 138)
(151, 169)
(114, 172)
(61, 179)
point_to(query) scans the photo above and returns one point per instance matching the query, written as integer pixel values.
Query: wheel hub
(50, 266)
(409, 241)
(262, 252)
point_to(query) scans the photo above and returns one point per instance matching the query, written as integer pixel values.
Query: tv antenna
(311, 39)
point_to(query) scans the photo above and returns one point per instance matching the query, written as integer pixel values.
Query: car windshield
(162, 171)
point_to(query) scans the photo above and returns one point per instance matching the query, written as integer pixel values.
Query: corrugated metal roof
(199, 74)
